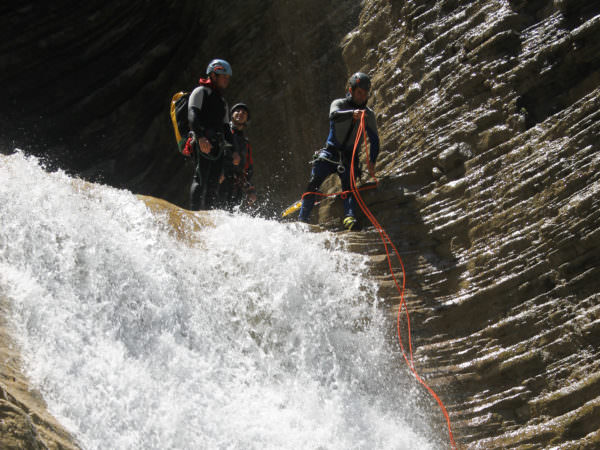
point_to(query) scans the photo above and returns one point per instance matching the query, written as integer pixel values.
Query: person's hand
(221, 178)
(236, 158)
(356, 114)
(205, 145)
(251, 198)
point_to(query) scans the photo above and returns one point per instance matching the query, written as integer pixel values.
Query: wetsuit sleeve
(373, 135)
(340, 123)
(227, 131)
(249, 164)
(336, 112)
(194, 107)
(226, 118)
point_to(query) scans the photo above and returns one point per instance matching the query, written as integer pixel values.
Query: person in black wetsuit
(208, 116)
(238, 165)
(344, 115)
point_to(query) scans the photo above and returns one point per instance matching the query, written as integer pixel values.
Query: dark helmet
(360, 80)
(219, 66)
(240, 106)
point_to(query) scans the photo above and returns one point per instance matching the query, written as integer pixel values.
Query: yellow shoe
(350, 223)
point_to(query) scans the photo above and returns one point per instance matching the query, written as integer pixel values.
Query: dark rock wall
(89, 85)
(86, 82)
(488, 114)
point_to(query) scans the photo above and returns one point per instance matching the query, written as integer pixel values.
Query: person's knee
(315, 182)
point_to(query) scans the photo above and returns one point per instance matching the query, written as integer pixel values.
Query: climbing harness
(388, 242)
(342, 194)
(339, 165)
(318, 156)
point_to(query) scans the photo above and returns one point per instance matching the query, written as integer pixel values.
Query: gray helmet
(240, 106)
(360, 80)
(220, 67)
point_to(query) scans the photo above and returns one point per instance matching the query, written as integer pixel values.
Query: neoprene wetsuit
(336, 156)
(208, 117)
(237, 178)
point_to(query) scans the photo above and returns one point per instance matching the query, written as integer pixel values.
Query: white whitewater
(260, 336)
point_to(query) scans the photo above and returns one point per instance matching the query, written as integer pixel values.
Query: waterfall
(254, 334)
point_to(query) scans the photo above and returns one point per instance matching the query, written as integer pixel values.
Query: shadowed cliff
(488, 115)
(89, 86)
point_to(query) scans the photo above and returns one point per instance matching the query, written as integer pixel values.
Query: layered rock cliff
(488, 114)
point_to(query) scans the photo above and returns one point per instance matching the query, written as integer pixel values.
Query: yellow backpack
(179, 117)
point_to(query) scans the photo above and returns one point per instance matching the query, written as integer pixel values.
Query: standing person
(239, 166)
(344, 116)
(208, 117)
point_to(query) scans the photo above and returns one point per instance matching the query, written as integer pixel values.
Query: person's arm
(341, 114)
(249, 166)
(337, 113)
(340, 110)
(226, 119)
(194, 107)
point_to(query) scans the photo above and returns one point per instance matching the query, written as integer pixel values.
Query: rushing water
(259, 335)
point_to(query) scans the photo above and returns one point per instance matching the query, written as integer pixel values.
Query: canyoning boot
(351, 224)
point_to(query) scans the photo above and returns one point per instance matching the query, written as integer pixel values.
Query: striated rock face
(489, 114)
(489, 117)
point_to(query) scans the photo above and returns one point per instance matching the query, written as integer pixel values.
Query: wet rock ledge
(24, 421)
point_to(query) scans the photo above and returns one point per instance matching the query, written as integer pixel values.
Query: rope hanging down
(388, 242)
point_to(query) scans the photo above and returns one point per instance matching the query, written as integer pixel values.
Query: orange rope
(387, 241)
